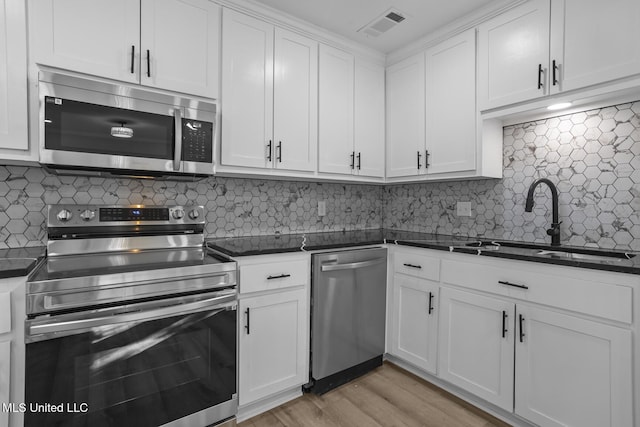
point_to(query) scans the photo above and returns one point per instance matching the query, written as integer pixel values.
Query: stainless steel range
(131, 321)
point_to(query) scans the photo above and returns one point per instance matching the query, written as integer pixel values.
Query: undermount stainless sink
(611, 257)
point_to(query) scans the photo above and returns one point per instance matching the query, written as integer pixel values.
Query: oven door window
(140, 374)
(89, 128)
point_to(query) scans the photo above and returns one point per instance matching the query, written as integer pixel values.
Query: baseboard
(263, 405)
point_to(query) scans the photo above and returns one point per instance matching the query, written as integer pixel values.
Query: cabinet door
(594, 41)
(273, 344)
(335, 110)
(247, 90)
(475, 345)
(512, 49)
(572, 372)
(295, 111)
(406, 117)
(415, 321)
(13, 68)
(88, 36)
(369, 119)
(451, 104)
(5, 371)
(181, 37)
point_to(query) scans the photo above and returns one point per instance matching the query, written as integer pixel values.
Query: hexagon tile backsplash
(235, 207)
(593, 157)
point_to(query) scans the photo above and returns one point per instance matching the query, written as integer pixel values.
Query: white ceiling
(346, 17)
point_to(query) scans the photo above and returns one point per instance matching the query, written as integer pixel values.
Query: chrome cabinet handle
(280, 276)
(177, 155)
(515, 285)
(279, 152)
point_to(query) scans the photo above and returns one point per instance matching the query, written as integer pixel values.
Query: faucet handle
(555, 229)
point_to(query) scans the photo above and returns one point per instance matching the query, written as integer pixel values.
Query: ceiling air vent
(383, 23)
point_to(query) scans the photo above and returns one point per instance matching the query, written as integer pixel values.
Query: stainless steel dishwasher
(347, 316)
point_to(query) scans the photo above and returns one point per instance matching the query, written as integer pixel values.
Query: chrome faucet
(554, 231)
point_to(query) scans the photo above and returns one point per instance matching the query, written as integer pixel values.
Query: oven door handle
(42, 331)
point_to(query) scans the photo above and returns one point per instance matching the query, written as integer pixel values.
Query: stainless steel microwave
(98, 127)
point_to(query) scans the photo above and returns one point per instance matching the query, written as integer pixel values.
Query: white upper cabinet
(406, 117)
(13, 84)
(594, 41)
(295, 112)
(369, 119)
(247, 91)
(513, 55)
(169, 44)
(351, 138)
(180, 45)
(549, 46)
(451, 105)
(269, 96)
(336, 95)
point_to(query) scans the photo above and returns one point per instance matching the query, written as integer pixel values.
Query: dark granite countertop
(21, 261)
(597, 259)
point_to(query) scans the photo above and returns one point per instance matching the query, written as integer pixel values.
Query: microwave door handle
(177, 155)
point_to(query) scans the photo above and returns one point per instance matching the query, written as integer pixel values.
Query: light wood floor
(388, 396)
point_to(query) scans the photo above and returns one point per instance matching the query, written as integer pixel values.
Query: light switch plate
(463, 209)
(322, 208)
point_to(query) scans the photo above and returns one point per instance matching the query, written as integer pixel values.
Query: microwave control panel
(197, 141)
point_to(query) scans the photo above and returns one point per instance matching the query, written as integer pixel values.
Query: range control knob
(178, 214)
(64, 215)
(194, 214)
(87, 215)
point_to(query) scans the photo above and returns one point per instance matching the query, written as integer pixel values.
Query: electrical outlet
(463, 208)
(322, 208)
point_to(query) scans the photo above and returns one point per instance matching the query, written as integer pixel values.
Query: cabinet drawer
(274, 275)
(5, 312)
(415, 263)
(554, 286)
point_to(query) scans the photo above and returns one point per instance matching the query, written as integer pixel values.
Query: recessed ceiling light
(559, 106)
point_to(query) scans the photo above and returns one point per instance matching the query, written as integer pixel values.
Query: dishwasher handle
(353, 265)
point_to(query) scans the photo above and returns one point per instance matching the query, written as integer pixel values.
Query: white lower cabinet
(571, 371)
(476, 345)
(550, 345)
(5, 372)
(273, 338)
(415, 321)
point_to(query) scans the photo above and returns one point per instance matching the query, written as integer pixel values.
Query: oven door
(146, 364)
